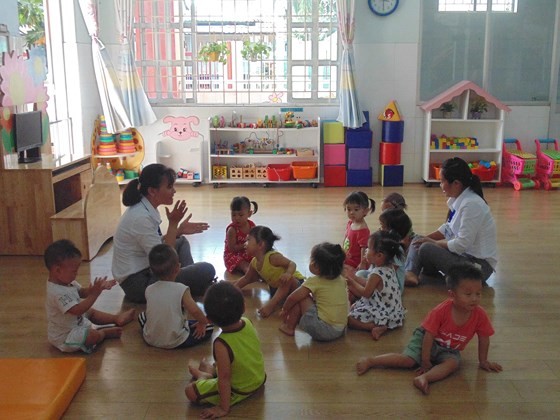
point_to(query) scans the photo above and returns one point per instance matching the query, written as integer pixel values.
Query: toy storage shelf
(182, 154)
(285, 140)
(488, 131)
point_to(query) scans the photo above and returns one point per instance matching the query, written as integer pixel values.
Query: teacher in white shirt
(469, 234)
(139, 231)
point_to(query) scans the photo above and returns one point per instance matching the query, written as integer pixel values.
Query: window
(505, 46)
(301, 36)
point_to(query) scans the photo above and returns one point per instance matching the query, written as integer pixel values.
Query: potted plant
(447, 108)
(214, 51)
(478, 106)
(255, 51)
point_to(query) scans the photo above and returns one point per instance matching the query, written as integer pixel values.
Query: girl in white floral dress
(380, 306)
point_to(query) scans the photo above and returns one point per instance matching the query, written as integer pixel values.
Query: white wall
(387, 57)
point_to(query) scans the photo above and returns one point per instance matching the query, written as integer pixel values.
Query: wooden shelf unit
(32, 193)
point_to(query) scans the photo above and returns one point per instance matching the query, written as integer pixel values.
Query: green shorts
(207, 392)
(437, 354)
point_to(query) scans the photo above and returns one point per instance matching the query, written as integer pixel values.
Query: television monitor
(28, 136)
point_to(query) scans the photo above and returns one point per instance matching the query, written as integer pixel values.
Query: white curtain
(349, 113)
(135, 100)
(121, 97)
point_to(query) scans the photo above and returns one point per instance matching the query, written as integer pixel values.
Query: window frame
(320, 69)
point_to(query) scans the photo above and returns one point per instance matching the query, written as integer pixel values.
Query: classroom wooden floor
(128, 379)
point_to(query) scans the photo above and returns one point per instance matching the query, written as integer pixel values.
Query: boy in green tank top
(239, 369)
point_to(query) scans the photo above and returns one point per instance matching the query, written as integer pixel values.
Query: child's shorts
(438, 354)
(76, 340)
(317, 328)
(207, 392)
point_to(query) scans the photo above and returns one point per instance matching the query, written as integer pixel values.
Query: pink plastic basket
(522, 163)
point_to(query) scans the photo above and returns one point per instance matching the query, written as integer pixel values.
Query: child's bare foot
(265, 311)
(125, 317)
(112, 332)
(201, 372)
(411, 279)
(377, 332)
(362, 366)
(286, 330)
(422, 384)
(195, 372)
(206, 366)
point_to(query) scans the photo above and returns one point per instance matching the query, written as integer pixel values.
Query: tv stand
(32, 193)
(30, 156)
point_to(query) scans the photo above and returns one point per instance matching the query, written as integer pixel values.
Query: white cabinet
(242, 155)
(185, 157)
(488, 131)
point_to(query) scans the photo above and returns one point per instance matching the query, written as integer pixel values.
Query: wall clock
(383, 7)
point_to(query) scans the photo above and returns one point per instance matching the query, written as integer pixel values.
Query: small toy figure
(222, 122)
(289, 120)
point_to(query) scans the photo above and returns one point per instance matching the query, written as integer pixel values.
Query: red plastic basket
(485, 174)
(279, 172)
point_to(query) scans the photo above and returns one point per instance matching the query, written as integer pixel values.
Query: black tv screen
(28, 135)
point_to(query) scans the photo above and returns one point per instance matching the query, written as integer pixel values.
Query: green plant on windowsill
(255, 51)
(214, 51)
(478, 106)
(447, 108)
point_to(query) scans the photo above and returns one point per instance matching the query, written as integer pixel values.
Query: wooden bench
(90, 222)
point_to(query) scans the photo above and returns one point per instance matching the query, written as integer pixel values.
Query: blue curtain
(349, 113)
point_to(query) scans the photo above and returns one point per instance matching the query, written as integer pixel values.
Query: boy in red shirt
(435, 346)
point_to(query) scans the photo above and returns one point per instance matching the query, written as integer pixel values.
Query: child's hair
(60, 251)
(397, 221)
(396, 200)
(242, 202)
(462, 271)
(388, 243)
(264, 234)
(361, 199)
(224, 304)
(329, 259)
(163, 260)
(151, 177)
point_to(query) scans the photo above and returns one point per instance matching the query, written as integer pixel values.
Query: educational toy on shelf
(548, 164)
(453, 143)
(243, 152)
(518, 167)
(122, 153)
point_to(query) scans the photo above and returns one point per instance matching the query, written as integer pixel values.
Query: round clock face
(383, 7)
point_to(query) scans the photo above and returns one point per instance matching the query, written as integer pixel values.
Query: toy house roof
(457, 90)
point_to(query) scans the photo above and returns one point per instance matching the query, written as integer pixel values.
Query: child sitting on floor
(239, 370)
(164, 324)
(69, 306)
(320, 305)
(436, 346)
(235, 254)
(380, 305)
(270, 265)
